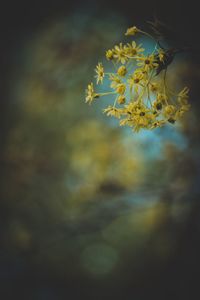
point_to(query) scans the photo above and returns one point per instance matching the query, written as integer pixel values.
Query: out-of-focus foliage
(84, 201)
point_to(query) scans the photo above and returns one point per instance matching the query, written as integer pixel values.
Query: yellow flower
(147, 62)
(132, 30)
(113, 111)
(90, 94)
(180, 112)
(157, 124)
(185, 107)
(171, 120)
(100, 73)
(184, 92)
(136, 110)
(132, 49)
(115, 80)
(120, 54)
(135, 80)
(121, 88)
(169, 110)
(183, 96)
(151, 116)
(154, 86)
(127, 121)
(140, 122)
(161, 55)
(131, 107)
(122, 71)
(162, 97)
(109, 54)
(136, 77)
(157, 105)
(146, 102)
(121, 99)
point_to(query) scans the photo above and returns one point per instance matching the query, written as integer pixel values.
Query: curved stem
(149, 35)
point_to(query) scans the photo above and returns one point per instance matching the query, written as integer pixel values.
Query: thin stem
(108, 93)
(109, 73)
(149, 98)
(146, 86)
(128, 64)
(131, 57)
(155, 48)
(164, 80)
(114, 65)
(115, 101)
(147, 34)
(169, 90)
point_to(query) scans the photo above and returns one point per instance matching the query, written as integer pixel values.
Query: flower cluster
(142, 99)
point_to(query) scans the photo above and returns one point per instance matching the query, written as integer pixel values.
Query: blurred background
(89, 210)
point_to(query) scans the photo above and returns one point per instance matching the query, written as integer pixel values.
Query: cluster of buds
(141, 97)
